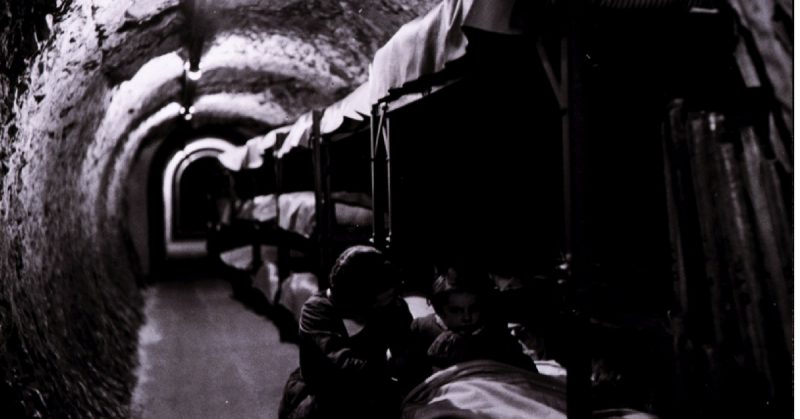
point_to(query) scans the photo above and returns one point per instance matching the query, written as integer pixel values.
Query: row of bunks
(570, 150)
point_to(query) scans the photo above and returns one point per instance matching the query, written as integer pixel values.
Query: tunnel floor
(204, 355)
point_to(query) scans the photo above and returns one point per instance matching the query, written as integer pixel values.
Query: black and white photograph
(416, 209)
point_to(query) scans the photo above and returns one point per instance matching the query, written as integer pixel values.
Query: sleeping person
(462, 327)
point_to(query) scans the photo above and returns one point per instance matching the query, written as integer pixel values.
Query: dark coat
(350, 376)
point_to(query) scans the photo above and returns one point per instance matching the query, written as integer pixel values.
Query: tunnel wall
(69, 302)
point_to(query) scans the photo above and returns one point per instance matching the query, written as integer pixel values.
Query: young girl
(461, 328)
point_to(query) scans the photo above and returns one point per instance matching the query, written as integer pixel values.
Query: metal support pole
(321, 199)
(576, 236)
(283, 248)
(328, 206)
(387, 146)
(378, 166)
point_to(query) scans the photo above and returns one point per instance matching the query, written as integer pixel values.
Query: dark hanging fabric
(705, 191)
(731, 248)
(771, 227)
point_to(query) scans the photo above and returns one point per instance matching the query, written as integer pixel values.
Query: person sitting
(346, 334)
(462, 327)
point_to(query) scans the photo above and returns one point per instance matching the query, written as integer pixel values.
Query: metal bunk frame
(324, 205)
(569, 91)
(285, 240)
(283, 249)
(381, 176)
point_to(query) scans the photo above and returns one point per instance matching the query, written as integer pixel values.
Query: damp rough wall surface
(69, 303)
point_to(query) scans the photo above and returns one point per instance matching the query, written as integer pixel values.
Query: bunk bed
(329, 220)
(286, 240)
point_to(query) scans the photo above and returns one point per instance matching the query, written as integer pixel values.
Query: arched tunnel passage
(192, 181)
(115, 115)
(193, 193)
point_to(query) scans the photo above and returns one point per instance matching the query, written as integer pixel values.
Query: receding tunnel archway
(186, 182)
(196, 187)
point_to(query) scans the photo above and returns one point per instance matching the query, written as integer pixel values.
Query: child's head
(361, 280)
(459, 300)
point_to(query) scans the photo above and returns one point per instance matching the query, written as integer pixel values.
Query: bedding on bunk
(241, 257)
(418, 306)
(621, 414)
(299, 286)
(481, 389)
(266, 280)
(295, 288)
(489, 389)
(551, 368)
(297, 211)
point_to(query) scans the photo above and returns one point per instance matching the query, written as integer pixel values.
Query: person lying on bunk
(347, 334)
(462, 327)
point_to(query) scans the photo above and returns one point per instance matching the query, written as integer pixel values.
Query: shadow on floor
(241, 286)
(256, 301)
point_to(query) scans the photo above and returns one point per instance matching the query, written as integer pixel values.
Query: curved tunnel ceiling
(267, 66)
(262, 62)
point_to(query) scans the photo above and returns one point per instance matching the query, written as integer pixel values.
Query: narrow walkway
(204, 355)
